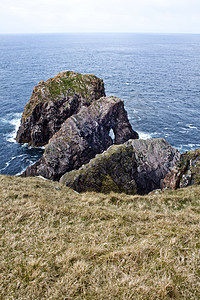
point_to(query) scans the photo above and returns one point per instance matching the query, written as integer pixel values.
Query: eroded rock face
(137, 166)
(186, 172)
(82, 136)
(55, 100)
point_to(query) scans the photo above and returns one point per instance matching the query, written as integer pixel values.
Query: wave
(144, 135)
(8, 163)
(13, 120)
(31, 162)
(22, 157)
(26, 145)
(188, 147)
(191, 126)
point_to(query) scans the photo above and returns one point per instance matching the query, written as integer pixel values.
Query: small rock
(55, 100)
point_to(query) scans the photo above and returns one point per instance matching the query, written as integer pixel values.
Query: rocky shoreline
(71, 115)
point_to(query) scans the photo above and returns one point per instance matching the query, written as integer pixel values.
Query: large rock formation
(82, 136)
(137, 166)
(186, 172)
(55, 100)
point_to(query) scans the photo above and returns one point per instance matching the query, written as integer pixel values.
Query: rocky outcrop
(137, 166)
(55, 100)
(186, 172)
(82, 136)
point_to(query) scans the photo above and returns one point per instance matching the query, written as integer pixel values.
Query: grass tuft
(58, 244)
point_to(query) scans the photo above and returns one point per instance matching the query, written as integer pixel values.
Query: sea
(157, 76)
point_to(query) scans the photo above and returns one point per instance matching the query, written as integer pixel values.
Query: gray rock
(186, 171)
(137, 166)
(82, 136)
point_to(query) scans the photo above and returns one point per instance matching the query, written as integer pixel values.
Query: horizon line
(99, 32)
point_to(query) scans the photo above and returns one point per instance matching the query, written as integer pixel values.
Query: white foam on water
(193, 145)
(14, 120)
(20, 173)
(42, 147)
(144, 135)
(191, 126)
(188, 147)
(8, 162)
(184, 130)
(24, 169)
(26, 145)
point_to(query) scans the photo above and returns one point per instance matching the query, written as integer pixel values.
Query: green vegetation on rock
(108, 185)
(135, 167)
(65, 84)
(109, 171)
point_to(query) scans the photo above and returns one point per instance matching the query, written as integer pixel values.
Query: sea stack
(55, 100)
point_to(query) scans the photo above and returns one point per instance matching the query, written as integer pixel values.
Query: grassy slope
(57, 244)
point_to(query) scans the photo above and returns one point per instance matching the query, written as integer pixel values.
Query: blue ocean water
(157, 76)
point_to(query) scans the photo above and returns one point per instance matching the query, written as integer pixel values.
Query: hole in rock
(112, 135)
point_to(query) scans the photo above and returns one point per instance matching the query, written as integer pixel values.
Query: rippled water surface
(157, 76)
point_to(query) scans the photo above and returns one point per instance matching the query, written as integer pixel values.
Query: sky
(52, 16)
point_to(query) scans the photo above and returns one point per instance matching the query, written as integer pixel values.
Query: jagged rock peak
(82, 136)
(137, 166)
(55, 100)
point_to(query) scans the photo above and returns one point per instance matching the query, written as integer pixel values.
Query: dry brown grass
(57, 244)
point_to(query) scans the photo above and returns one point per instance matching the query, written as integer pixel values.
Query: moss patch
(109, 171)
(108, 185)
